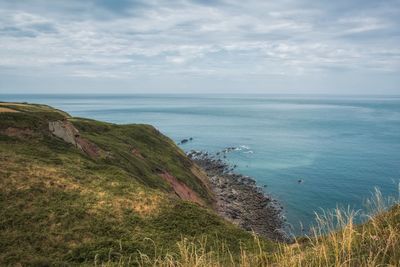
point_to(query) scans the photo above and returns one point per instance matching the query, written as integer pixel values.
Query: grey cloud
(124, 38)
(43, 27)
(16, 32)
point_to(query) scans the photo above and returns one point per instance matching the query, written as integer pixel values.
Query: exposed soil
(17, 132)
(181, 189)
(137, 153)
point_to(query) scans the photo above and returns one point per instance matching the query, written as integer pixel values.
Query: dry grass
(13, 104)
(334, 241)
(4, 110)
(48, 191)
(45, 176)
(59, 207)
(143, 204)
(337, 241)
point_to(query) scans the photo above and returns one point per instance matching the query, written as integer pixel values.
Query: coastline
(240, 200)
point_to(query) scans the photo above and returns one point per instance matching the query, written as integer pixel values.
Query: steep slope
(335, 241)
(73, 189)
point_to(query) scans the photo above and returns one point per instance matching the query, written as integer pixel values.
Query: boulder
(67, 132)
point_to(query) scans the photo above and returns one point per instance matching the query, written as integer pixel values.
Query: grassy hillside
(58, 205)
(334, 241)
(120, 205)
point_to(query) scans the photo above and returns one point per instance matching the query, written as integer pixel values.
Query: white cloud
(233, 38)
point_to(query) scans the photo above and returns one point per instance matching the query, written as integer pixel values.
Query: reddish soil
(181, 189)
(17, 132)
(137, 153)
(88, 147)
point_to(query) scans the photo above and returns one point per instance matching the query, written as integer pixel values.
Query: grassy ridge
(59, 206)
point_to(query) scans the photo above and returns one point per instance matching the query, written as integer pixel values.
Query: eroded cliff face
(66, 131)
(78, 188)
(181, 189)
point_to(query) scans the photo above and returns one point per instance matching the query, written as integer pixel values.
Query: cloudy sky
(200, 46)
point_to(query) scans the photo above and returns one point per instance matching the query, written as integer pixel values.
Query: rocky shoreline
(239, 199)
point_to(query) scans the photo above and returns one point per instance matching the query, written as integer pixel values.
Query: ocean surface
(341, 147)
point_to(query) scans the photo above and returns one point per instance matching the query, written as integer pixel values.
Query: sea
(310, 152)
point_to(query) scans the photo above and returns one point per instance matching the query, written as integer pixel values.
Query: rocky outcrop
(184, 141)
(66, 131)
(240, 200)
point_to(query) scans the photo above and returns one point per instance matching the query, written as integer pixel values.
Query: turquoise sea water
(340, 146)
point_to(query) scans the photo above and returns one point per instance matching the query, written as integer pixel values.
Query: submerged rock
(184, 141)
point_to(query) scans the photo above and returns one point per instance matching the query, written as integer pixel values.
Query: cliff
(75, 189)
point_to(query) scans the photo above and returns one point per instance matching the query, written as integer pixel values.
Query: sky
(200, 46)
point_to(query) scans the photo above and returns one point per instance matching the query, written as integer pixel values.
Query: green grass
(59, 206)
(334, 241)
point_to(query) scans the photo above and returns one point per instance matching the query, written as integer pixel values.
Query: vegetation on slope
(334, 241)
(60, 206)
